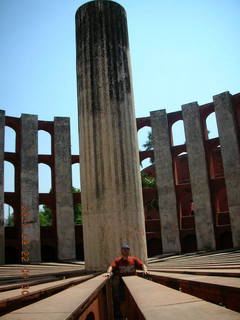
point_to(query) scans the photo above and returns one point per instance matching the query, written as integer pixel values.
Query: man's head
(125, 250)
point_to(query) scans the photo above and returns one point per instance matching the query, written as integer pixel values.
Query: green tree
(77, 209)
(148, 145)
(78, 213)
(9, 221)
(148, 181)
(45, 216)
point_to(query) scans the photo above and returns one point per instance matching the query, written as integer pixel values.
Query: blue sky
(181, 51)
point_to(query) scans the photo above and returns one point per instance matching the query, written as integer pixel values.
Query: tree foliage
(45, 214)
(9, 221)
(148, 145)
(148, 181)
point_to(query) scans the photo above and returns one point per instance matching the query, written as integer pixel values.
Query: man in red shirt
(124, 266)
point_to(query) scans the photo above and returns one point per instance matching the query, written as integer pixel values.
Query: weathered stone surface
(63, 181)
(231, 158)
(165, 182)
(110, 178)
(2, 237)
(199, 177)
(29, 186)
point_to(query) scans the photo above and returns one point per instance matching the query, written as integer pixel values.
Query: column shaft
(199, 178)
(165, 182)
(110, 176)
(231, 158)
(29, 186)
(2, 235)
(63, 182)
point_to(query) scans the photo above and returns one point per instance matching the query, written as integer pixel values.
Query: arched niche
(182, 174)
(147, 162)
(44, 142)
(211, 125)
(145, 138)
(10, 140)
(76, 176)
(9, 177)
(44, 178)
(178, 134)
(8, 215)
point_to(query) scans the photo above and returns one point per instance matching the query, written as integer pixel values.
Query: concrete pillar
(2, 236)
(165, 182)
(63, 183)
(29, 186)
(228, 136)
(110, 176)
(199, 178)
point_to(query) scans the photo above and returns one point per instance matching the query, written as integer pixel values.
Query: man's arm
(109, 271)
(144, 267)
(140, 265)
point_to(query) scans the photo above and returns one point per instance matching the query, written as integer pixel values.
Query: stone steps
(18, 284)
(67, 304)
(224, 291)
(13, 299)
(15, 272)
(151, 301)
(202, 279)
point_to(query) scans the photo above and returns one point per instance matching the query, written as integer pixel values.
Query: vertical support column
(29, 186)
(63, 182)
(111, 190)
(2, 236)
(165, 182)
(199, 178)
(231, 158)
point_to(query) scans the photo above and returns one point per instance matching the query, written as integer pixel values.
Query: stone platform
(200, 285)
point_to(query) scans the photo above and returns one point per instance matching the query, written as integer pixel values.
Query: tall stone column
(199, 178)
(110, 177)
(63, 183)
(29, 186)
(165, 182)
(231, 158)
(2, 236)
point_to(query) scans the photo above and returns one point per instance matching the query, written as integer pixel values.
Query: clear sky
(181, 51)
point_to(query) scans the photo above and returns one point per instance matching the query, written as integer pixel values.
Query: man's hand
(108, 274)
(145, 271)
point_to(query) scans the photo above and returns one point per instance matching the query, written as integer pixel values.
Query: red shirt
(126, 267)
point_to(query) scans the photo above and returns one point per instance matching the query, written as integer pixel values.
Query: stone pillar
(199, 178)
(2, 236)
(29, 186)
(110, 176)
(63, 183)
(165, 182)
(228, 136)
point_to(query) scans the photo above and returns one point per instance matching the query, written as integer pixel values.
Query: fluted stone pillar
(110, 178)
(63, 183)
(29, 186)
(2, 236)
(165, 182)
(199, 178)
(228, 136)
